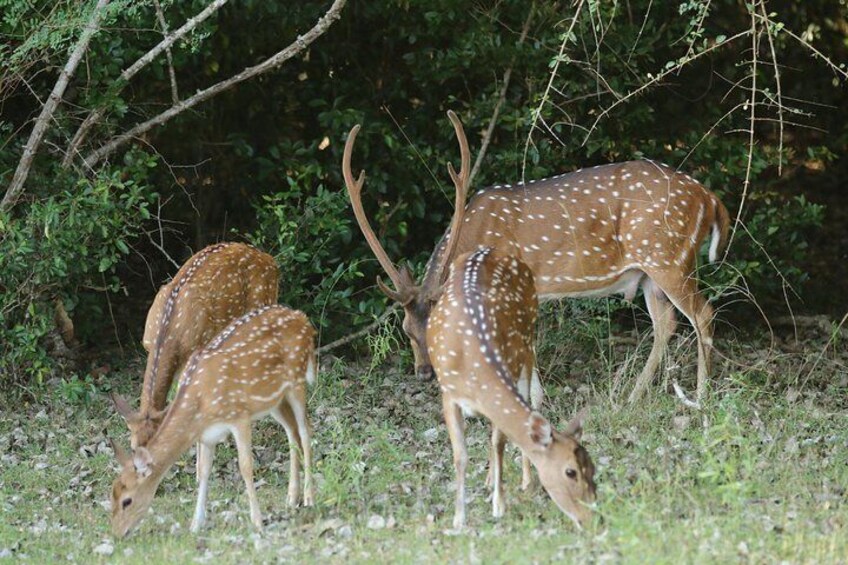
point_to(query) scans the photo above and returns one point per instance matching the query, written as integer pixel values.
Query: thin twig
(809, 46)
(682, 396)
(537, 113)
(357, 334)
(753, 103)
(779, 92)
(297, 47)
(97, 114)
(175, 93)
(487, 137)
(656, 79)
(49, 107)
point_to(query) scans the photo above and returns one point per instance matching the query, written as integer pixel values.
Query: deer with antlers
(611, 229)
(480, 338)
(258, 365)
(216, 285)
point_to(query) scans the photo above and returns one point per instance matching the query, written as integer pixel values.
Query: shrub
(58, 247)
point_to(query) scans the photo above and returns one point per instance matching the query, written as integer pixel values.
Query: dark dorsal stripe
(168, 310)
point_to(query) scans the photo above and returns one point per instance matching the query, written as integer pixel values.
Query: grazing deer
(215, 286)
(258, 365)
(611, 229)
(480, 338)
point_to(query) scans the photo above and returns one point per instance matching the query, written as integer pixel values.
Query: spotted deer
(610, 229)
(216, 285)
(258, 365)
(480, 338)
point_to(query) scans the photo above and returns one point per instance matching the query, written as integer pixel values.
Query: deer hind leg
(698, 311)
(242, 433)
(205, 456)
(284, 415)
(664, 323)
(496, 470)
(456, 430)
(297, 401)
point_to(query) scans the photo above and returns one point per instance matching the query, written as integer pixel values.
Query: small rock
(105, 548)
(376, 522)
(680, 423)
(345, 531)
(431, 434)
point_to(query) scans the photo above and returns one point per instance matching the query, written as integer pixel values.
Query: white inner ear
(141, 461)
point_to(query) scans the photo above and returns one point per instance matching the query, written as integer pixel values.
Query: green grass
(759, 475)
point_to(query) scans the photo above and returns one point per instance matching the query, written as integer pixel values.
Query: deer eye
(125, 502)
(571, 474)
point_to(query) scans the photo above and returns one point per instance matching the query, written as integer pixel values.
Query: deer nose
(426, 372)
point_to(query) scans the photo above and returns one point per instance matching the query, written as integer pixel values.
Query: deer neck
(179, 430)
(501, 403)
(162, 365)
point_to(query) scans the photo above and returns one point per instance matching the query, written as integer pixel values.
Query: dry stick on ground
(487, 137)
(175, 93)
(97, 114)
(40, 127)
(299, 45)
(357, 334)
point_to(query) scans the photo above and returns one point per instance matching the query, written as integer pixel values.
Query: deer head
(141, 426)
(565, 468)
(416, 299)
(133, 490)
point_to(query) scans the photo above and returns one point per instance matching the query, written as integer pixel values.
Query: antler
(401, 280)
(460, 181)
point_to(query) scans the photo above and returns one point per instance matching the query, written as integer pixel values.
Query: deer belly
(626, 283)
(216, 433)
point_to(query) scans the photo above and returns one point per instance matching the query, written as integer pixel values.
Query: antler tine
(354, 189)
(460, 181)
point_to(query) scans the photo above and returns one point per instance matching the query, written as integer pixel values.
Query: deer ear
(142, 460)
(575, 426)
(123, 407)
(540, 430)
(120, 453)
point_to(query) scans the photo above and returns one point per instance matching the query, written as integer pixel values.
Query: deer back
(215, 286)
(580, 232)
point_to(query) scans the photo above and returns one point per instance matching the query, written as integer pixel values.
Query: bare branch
(298, 46)
(165, 45)
(835, 68)
(487, 137)
(364, 331)
(40, 127)
(779, 91)
(175, 93)
(656, 79)
(755, 44)
(537, 113)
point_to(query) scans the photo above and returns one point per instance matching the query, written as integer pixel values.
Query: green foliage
(304, 227)
(59, 246)
(266, 153)
(77, 391)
